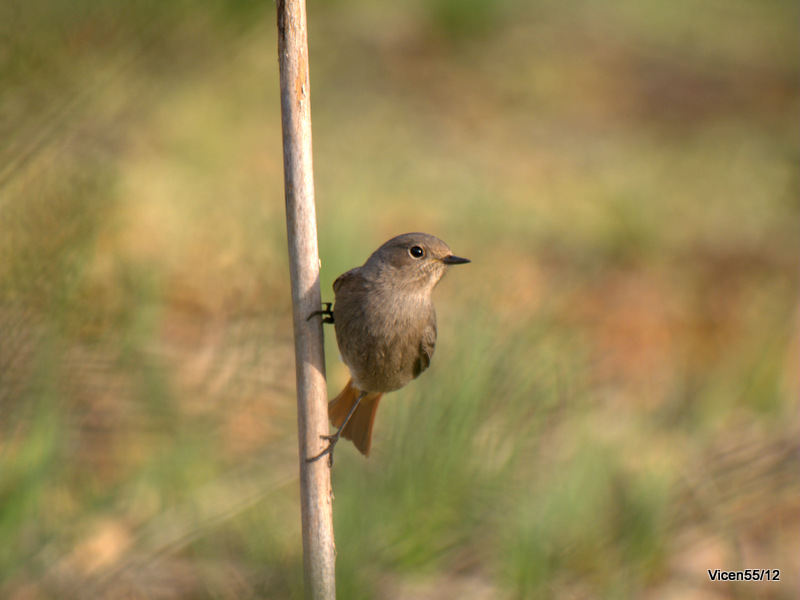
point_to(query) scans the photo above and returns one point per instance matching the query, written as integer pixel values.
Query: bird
(385, 325)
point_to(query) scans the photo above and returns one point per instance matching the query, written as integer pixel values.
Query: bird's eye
(416, 252)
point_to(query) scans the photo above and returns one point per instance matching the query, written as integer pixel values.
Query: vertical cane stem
(312, 418)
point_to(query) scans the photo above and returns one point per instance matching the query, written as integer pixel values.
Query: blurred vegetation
(612, 409)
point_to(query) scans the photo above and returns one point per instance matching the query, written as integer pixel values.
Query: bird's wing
(346, 279)
(426, 347)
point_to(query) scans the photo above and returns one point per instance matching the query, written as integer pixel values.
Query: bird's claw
(331, 439)
(327, 313)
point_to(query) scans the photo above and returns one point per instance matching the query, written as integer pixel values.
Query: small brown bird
(385, 327)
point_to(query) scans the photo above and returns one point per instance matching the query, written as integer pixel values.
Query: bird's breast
(379, 337)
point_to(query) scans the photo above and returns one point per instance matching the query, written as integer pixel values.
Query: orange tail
(359, 427)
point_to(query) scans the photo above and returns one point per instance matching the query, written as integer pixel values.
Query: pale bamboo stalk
(312, 416)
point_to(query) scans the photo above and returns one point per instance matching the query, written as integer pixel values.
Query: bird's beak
(455, 260)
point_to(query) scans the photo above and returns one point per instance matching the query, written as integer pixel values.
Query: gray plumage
(383, 311)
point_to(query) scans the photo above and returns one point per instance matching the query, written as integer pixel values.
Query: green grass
(611, 407)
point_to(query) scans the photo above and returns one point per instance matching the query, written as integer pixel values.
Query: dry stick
(312, 417)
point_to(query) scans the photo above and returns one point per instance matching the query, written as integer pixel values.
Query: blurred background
(612, 408)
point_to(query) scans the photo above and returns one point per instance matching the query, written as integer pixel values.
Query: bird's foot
(331, 439)
(327, 313)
